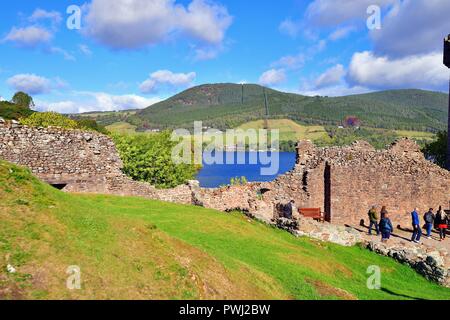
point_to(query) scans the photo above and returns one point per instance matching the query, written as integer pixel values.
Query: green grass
(132, 248)
(121, 127)
(416, 135)
(289, 130)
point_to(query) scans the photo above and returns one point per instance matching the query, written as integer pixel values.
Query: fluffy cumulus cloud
(272, 77)
(332, 12)
(331, 77)
(413, 27)
(96, 101)
(418, 71)
(130, 24)
(30, 83)
(167, 79)
(31, 36)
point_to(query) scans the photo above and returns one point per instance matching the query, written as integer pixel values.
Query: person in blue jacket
(386, 228)
(417, 231)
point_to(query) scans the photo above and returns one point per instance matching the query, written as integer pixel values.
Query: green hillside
(225, 106)
(131, 248)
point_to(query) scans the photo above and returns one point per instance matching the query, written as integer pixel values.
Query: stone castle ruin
(343, 181)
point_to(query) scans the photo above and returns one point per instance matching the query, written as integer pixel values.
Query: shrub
(148, 157)
(47, 119)
(437, 150)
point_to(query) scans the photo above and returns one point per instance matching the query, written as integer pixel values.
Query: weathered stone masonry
(77, 161)
(344, 182)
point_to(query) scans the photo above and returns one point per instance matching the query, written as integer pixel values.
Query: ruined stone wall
(343, 181)
(359, 177)
(58, 156)
(85, 162)
(399, 178)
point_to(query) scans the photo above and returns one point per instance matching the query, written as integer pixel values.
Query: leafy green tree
(148, 158)
(47, 119)
(22, 99)
(437, 150)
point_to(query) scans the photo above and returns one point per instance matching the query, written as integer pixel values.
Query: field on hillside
(121, 127)
(416, 135)
(289, 130)
(132, 248)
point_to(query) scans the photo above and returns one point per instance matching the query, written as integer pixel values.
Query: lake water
(216, 175)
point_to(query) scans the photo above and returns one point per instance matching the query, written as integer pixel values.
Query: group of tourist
(383, 227)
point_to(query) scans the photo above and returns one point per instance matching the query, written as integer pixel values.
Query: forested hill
(230, 105)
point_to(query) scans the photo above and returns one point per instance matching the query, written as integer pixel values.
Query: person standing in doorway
(429, 222)
(373, 219)
(417, 232)
(442, 223)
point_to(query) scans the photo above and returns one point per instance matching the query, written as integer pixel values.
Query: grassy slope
(121, 127)
(289, 130)
(139, 249)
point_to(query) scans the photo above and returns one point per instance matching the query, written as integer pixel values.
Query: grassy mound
(130, 248)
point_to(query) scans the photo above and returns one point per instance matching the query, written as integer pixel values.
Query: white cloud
(96, 101)
(413, 27)
(130, 24)
(272, 77)
(293, 62)
(32, 36)
(419, 71)
(166, 78)
(85, 50)
(331, 77)
(64, 53)
(334, 91)
(40, 14)
(290, 61)
(30, 83)
(332, 12)
(290, 27)
(341, 33)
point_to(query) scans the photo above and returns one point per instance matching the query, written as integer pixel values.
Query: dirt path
(403, 236)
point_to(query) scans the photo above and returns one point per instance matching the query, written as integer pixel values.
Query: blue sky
(132, 53)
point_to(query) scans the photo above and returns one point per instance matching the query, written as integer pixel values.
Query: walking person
(429, 218)
(417, 232)
(386, 228)
(373, 218)
(442, 223)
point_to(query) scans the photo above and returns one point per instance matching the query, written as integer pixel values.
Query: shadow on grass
(401, 295)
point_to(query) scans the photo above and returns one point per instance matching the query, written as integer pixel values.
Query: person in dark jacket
(442, 223)
(373, 219)
(386, 228)
(429, 222)
(417, 232)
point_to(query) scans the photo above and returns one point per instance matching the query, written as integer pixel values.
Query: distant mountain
(230, 105)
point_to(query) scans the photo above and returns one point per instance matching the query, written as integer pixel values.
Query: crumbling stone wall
(83, 162)
(345, 182)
